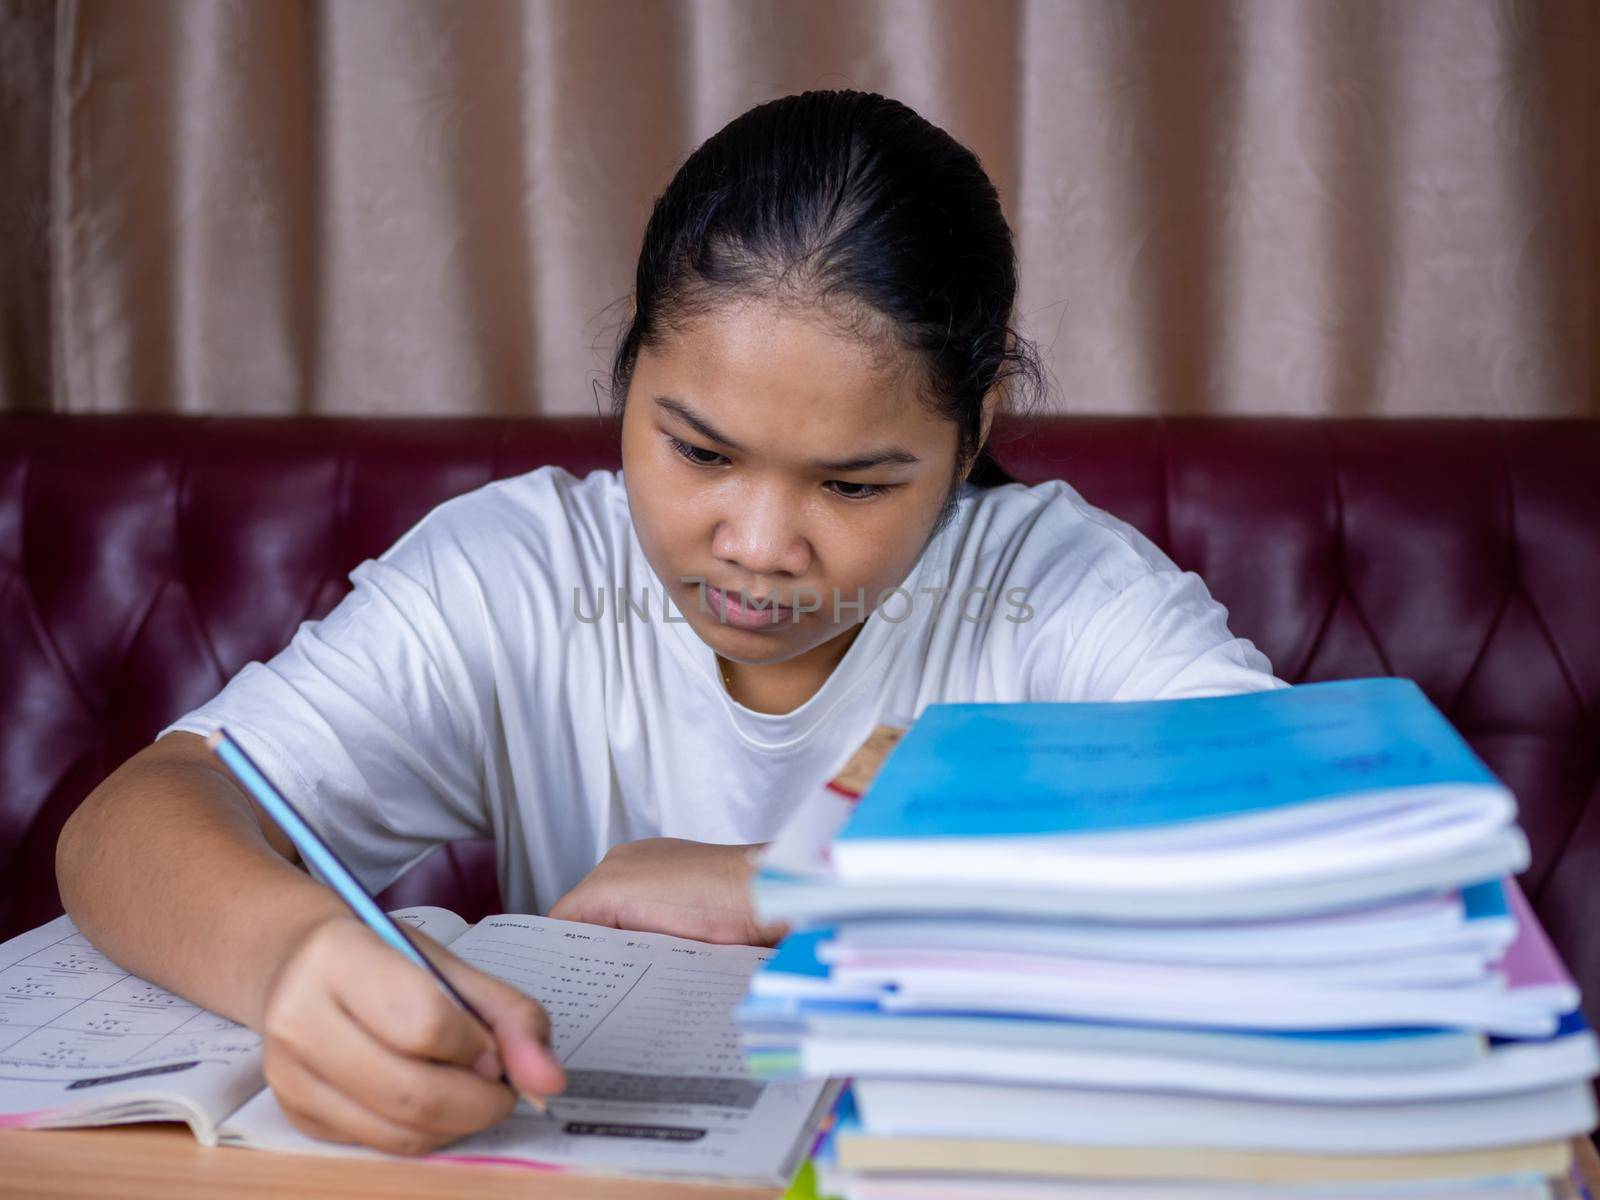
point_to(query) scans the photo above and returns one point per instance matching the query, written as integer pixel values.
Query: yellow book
(963, 1156)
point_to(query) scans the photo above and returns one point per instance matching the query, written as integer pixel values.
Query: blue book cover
(1010, 770)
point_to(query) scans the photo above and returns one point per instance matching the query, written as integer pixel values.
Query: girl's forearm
(164, 868)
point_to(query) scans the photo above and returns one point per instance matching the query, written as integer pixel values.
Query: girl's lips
(730, 610)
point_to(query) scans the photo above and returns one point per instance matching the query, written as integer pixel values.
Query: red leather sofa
(145, 560)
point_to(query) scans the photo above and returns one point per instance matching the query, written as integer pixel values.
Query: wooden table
(1588, 1164)
(164, 1162)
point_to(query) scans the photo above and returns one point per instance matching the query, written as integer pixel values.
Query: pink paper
(1530, 960)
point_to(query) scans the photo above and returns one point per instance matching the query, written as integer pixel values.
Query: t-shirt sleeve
(1162, 637)
(1124, 622)
(373, 720)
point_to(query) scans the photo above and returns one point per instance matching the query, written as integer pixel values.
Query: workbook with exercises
(642, 1022)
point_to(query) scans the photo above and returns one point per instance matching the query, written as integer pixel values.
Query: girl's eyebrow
(695, 421)
(878, 458)
(892, 455)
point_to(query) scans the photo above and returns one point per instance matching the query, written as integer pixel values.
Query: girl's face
(764, 450)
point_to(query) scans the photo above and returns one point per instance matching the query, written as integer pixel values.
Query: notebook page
(442, 925)
(84, 1042)
(656, 1078)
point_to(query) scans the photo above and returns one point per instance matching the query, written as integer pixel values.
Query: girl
(627, 679)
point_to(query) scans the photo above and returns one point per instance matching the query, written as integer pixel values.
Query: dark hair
(852, 200)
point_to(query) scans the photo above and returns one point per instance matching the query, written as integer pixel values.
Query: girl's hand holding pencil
(361, 1046)
(376, 1034)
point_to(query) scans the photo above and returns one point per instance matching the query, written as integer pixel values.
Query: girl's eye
(709, 458)
(689, 452)
(863, 491)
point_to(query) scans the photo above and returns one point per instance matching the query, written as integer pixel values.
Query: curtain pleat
(395, 207)
(27, 57)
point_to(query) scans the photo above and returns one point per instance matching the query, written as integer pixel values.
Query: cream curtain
(423, 207)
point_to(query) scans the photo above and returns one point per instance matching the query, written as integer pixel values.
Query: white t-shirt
(464, 688)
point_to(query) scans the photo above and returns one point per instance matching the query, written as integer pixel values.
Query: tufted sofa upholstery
(145, 560)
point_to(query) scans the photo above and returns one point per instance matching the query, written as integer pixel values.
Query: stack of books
(1256, 945)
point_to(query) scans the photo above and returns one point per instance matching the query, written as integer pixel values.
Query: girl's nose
(762, 538)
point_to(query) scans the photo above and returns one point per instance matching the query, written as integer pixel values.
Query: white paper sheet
(79, 1037)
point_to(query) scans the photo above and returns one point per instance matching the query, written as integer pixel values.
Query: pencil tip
(536, 1101)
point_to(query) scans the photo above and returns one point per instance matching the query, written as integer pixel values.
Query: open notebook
(642, 1022)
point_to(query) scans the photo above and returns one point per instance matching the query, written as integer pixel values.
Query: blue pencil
(339, 877)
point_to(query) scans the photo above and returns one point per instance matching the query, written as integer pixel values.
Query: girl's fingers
(404, 1008)
(437, 1098)
(318, 1109)
(521, 1028)
(362, 1045)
